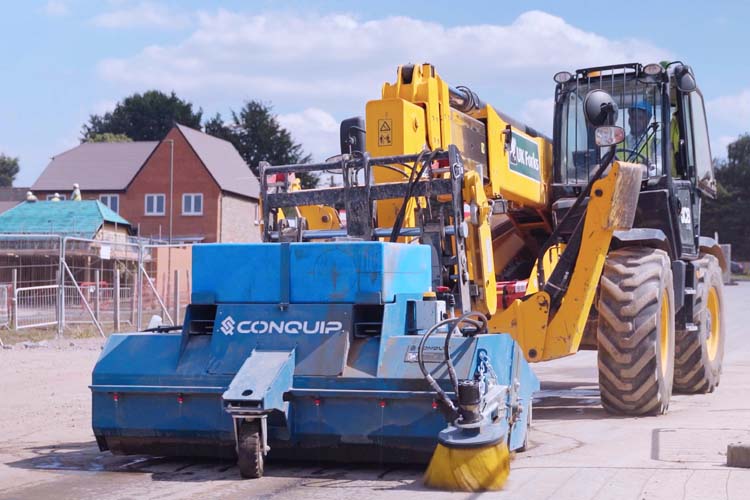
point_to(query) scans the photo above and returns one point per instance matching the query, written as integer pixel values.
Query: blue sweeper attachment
(309, 351)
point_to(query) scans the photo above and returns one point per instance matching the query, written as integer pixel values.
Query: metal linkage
(440, 224)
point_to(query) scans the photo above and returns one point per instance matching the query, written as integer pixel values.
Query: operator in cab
(641, 138)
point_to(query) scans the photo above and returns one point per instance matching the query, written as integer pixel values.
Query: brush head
(482, 468)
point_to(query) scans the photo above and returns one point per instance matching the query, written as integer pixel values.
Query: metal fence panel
(166, 292)
(95, 266)
(36, 306)
(46, 278)
(5, 305)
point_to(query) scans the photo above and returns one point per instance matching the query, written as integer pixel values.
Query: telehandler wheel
(699, 352)
(250, 450)
(635, 332)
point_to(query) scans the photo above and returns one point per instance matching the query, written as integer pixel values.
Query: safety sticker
(385, 129)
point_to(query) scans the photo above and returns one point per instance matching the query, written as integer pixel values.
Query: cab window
(698, 147)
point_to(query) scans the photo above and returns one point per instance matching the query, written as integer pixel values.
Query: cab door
(698, 179)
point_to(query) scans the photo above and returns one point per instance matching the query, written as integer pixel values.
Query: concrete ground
(576, 450)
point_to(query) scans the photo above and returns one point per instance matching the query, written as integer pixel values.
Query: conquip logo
(258, 327)
(227, 326)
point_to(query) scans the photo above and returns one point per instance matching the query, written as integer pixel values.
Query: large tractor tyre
(250, 455)
(699, 351)
(635, 332)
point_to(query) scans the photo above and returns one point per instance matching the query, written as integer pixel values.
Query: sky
(318, 62)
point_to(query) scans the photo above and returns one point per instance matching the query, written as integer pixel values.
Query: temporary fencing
(48, 280)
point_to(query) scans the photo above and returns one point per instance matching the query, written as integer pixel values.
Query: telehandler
(472, 246)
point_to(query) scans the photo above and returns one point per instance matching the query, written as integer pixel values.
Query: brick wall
(190, 176)
(225, 216)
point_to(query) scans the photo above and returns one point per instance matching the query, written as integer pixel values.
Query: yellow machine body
(503, 164)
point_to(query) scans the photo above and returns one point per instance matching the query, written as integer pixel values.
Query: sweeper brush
(472, 452)
(484, 468)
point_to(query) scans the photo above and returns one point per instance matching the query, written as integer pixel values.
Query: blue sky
(319, 62)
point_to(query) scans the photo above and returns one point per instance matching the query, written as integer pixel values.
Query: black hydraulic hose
(163, 328)
(453, 324)
(556, 233)
(420, 361)
(555, 285)
(413, 179)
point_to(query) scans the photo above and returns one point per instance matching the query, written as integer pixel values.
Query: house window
(192, 204)
(155, 204)
(62, 197)
(112, 201)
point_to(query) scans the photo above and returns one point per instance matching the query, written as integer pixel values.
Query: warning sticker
(385, 129)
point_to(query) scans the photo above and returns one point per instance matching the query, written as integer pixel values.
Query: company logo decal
(229, 326)
(524, 156)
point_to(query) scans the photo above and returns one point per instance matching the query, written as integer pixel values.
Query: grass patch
(12, 337)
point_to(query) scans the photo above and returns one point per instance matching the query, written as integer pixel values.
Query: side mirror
(600, 109)
(684, 78)
(352, 135)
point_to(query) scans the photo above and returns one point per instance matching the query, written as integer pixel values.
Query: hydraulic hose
(453, 324)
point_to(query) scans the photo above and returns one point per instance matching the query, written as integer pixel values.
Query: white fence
(35, 306)
(4, 306)
(46, 280)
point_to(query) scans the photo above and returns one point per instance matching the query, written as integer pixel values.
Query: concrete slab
(577, 451)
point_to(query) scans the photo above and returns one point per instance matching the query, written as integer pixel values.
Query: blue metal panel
(399, 357)
(238, 272)
(148, 414)
(336, 272)
(410, 421)
(318, 333)
(394, 320)
(262, 380)
(358, 271)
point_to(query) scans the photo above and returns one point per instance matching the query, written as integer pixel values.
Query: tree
(109, 137)
(257, 135)
(8, 170)
(729, 213)
(144, 117)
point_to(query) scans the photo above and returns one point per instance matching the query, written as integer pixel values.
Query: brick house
(188, 187)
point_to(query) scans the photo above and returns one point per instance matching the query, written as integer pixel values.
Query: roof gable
(95, 166)
(223, 162)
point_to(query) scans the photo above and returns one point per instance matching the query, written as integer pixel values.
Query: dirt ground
(47, 449)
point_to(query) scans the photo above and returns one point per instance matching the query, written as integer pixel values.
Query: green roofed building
(94, 240)
(88, 219)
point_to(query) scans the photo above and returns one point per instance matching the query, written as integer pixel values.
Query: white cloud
(337, 62)
(728, 117)
(315, 129)
(538, 114)
(55, 8)
(719, 145)
(104, 106)
(141, 15)
(313, 56)
(730, 109)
